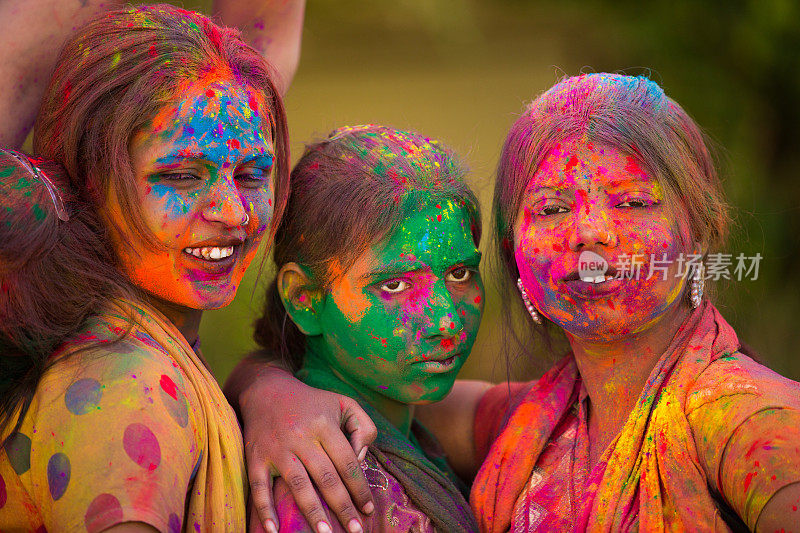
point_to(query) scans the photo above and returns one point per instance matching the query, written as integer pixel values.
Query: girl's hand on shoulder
(298, 432)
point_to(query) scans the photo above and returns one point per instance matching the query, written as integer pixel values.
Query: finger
(358, 425)
(254, 523)
(348, 466)
(260, 478)
(329, 483)
(293, 471)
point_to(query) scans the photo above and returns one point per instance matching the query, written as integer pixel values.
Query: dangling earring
(528, 305)
(698, 283)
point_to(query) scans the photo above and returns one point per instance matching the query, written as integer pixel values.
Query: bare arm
(293, 430)
(273, 27)
(32, 34)
(782, 511)
(452, 422)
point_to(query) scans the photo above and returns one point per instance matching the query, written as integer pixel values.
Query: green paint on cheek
(398, 307)
(6, 171)
(38, 212)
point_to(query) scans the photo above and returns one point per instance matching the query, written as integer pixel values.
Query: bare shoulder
(737, 375)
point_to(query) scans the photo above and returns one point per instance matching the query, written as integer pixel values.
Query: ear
(300, 301)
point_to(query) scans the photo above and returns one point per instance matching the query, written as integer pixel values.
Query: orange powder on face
(352, 304)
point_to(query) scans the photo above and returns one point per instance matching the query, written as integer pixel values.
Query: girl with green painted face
(378, 297)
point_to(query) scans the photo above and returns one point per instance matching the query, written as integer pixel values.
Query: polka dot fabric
(132, 431)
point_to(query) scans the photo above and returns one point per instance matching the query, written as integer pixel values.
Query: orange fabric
(707, 416)
(131, 431)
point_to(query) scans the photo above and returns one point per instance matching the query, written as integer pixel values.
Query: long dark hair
(54, 273)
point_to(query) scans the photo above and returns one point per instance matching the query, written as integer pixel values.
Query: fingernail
(323, 527)
(369, 507)
(354, 526)
(269, 525)
(362, 454)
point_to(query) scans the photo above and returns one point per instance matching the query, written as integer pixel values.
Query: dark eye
(254, 176)
(459, 275)
(552, 210)
(633, 203)
(395, 286)
(180, 176)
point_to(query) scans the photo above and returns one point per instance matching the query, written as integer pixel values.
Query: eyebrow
(400, 266)
(612, 184)
(182, 155)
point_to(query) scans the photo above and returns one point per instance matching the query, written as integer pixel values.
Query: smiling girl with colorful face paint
(173, 139)
(379, 297)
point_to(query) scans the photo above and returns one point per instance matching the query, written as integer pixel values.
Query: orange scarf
(653, 479)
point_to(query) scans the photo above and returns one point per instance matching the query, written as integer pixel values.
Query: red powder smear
(748, 479)
(438, 206)
(253, 103)
(583, 198)
(233, 144)
(557, 247)
(360, 358)
(439, 218)
(269, 201)
(446, 344)
(571, 163)
(611, 305)
(210, 93)
(152, 51)
(187, 153)
(477, 299)
(168, 386)
(632, 166)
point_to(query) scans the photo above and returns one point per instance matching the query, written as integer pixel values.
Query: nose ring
(246, 220)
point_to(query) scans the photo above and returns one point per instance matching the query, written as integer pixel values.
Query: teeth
(597, 279)
(210, 253)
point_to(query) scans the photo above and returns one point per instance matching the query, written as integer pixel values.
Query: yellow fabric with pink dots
(129, 431)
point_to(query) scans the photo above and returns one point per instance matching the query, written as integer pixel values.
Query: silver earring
(698, 284)
(528, 305)
(246, 219)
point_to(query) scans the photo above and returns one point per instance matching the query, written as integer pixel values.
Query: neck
(614, 373)
(186, 320)
(317, 358)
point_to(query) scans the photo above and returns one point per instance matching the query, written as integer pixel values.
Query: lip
(587, 290)
(438, 365)
(220, 269)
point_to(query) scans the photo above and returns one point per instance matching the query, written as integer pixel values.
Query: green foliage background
(460, 71)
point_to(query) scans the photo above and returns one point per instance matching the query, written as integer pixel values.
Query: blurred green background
(460, 71)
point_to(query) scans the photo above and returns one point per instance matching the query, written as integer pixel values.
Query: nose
(224, 205)
(592, 227)
(442, 315)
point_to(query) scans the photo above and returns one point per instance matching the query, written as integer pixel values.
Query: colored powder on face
(6, 171)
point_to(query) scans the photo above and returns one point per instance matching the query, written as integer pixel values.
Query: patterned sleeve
(492, 413)
(746, 424)
(111, 438)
